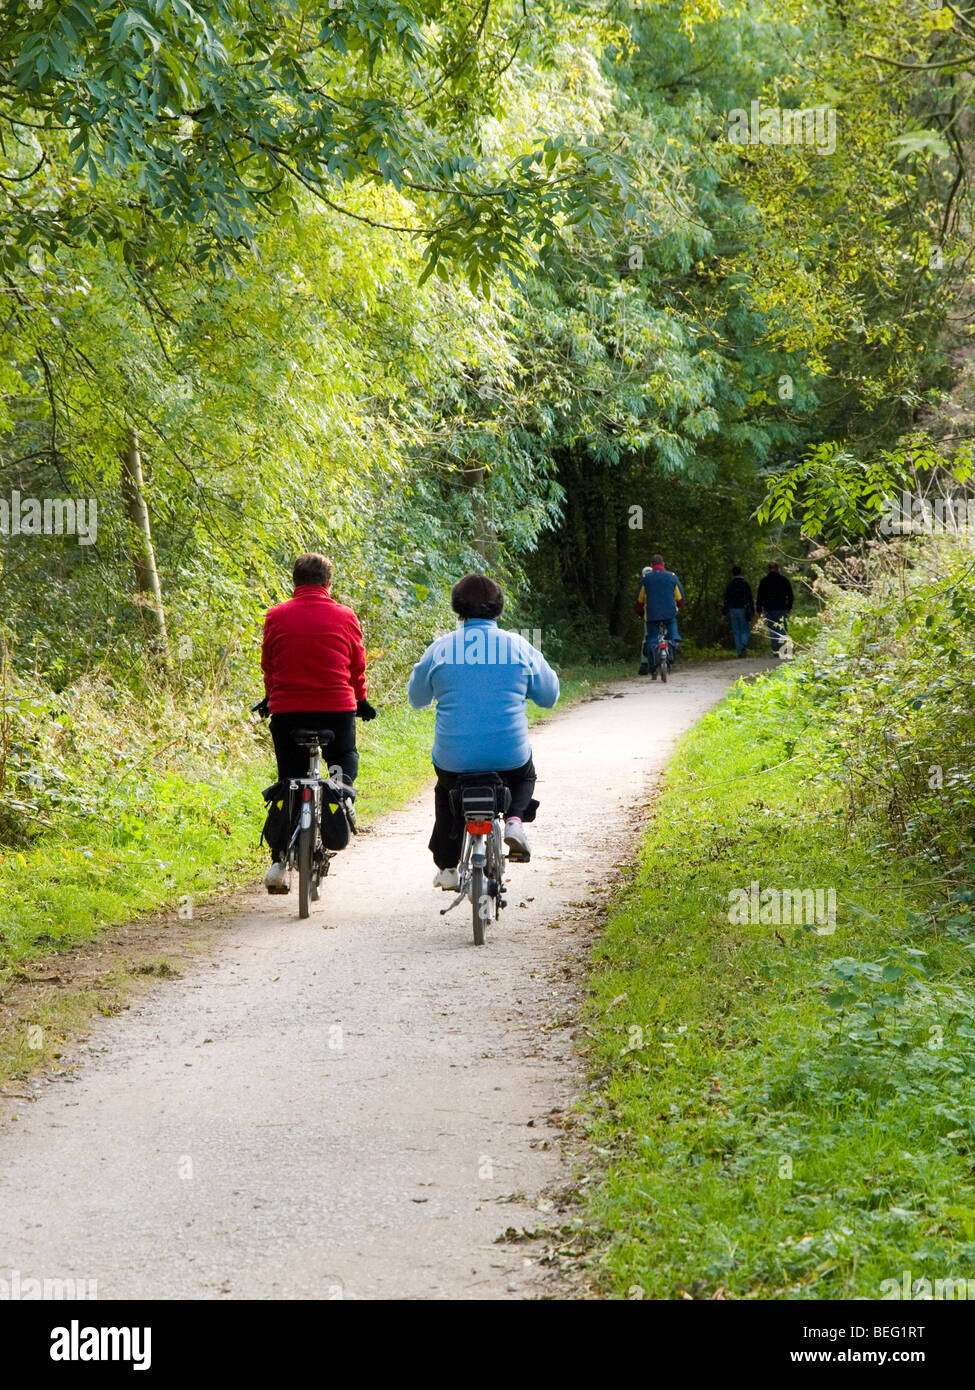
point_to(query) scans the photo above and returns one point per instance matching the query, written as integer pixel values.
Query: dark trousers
(341, 755)
(652, 627)
(740, 628)
(341, 752)
(448, 830)
(777, 622)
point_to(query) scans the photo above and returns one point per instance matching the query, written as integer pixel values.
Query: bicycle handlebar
(364, 709)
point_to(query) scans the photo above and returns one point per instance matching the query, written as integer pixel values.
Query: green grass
(777, 1113)
(179, 842)
(182, 839)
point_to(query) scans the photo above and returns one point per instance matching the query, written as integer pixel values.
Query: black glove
(262, 708)
(365, 710)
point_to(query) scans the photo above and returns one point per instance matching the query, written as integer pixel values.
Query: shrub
(890, 675)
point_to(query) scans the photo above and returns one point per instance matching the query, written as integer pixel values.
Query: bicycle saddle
(312, 738)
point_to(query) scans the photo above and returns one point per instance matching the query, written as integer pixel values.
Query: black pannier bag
(279, 823)
(338, 813)
(284, 806)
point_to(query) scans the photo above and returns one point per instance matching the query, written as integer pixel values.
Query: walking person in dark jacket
(739, 609)
(775, 599)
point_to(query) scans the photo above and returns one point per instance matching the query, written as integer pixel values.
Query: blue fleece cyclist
(480, 676)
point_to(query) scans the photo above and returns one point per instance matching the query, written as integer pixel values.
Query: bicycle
(307, 850)
(483, 799)
(660, 653)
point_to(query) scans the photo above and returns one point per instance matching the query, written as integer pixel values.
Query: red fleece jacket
(312, 655)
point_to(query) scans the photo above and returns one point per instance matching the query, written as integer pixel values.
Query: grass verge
(778, 1111)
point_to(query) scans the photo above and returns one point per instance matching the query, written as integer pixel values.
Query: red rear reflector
(479, 827)
(306, 793)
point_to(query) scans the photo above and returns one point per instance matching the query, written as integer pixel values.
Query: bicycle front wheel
(306, 841)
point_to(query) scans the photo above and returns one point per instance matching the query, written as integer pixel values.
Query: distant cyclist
(480, 677)
(658, 598)
(314, 666)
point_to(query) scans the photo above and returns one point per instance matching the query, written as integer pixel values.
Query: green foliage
(321, 387)
(838, 497)
(218, 118)
(889, 675)
(262, 237)
(771, 301)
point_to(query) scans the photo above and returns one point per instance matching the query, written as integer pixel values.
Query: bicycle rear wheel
(496, 867)
(481, 904)
(306, 841)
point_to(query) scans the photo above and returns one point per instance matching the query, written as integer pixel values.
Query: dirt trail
(349, 1106)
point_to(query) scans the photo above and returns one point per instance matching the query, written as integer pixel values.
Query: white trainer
(519, 850)
(276, 878)
(448, 879)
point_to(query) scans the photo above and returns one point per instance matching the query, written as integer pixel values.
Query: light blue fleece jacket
(480, 677)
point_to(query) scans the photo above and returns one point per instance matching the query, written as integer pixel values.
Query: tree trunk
(141, 548)
(485, 541)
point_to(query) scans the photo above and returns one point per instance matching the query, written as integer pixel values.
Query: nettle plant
(33, 774)
(891, 1034)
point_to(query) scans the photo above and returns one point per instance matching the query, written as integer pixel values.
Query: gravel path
(353, 1106)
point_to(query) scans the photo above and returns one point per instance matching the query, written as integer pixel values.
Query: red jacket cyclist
(314, 665)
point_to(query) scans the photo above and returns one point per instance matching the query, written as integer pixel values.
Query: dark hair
(736, 569)
(773, 564)
(656, 559)
(476, 596)
(312, 569)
